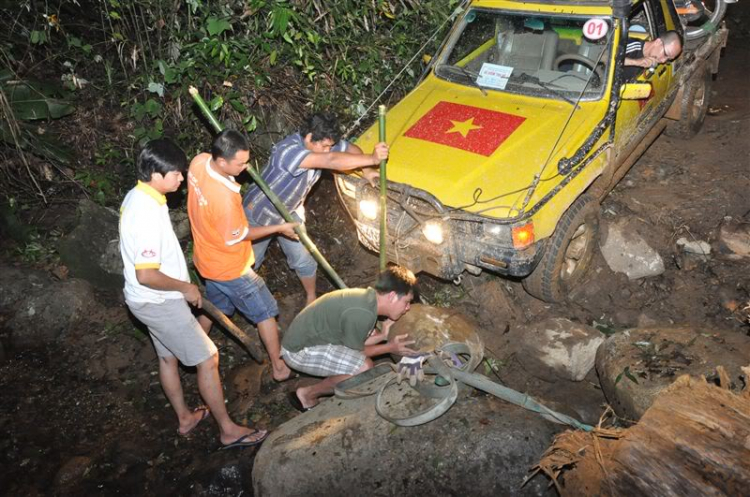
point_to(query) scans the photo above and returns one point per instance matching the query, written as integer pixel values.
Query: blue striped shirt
(286, 179)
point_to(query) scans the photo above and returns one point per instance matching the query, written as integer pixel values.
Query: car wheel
(693, 106)
(568, 253)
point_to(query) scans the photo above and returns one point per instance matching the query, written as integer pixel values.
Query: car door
(635, 117)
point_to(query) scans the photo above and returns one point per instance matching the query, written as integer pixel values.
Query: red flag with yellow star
(472, 129)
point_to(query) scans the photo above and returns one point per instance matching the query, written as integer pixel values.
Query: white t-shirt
(147, 240)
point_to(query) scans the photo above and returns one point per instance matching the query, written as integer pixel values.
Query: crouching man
(158, 290)
(335, 336)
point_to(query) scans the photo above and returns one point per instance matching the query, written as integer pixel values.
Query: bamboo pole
(228, 325)
(383, 196)
(300, 230)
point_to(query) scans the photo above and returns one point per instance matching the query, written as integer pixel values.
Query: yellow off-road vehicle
(522, 123)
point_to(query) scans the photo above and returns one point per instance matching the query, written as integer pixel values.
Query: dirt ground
(88, 417)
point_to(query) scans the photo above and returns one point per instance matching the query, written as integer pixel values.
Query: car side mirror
(426, 58)
(635, 91)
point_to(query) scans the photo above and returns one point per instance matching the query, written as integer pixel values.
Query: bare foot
(190, 422)
(304, 399)
(281, 371)
(233, 436)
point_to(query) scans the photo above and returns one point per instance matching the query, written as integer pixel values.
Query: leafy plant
(626, 372)
(245, 57)
(99, 184)
(29, 100)
(38, 249)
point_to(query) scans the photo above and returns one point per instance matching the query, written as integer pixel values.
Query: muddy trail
(87, 416)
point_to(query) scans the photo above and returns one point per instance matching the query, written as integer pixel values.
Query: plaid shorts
(325, 360)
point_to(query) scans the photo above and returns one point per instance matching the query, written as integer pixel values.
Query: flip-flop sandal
(296, 403)
(206, 412)
(243, 442)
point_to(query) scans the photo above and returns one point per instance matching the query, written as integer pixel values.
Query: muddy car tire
(568, 253)
(693, 106)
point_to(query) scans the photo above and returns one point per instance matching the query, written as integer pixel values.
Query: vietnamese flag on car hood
(468, 128)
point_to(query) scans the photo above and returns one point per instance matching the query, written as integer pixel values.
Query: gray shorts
(175, 331)
(325, 360)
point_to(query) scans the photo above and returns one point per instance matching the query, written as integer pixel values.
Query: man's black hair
(160, 156)
(228, 143)
(322, 126)
(396, 279)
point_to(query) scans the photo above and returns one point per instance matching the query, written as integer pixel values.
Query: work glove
(411, 367)
(450, 359)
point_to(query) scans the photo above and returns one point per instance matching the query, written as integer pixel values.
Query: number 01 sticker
(594, 29)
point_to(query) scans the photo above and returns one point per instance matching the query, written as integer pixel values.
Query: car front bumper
(469, 242)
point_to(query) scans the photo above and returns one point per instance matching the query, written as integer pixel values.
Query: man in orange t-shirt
(223, 250)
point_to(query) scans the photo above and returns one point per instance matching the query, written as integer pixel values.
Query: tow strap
(455, 375)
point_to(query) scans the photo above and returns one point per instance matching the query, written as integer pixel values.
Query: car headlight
(345, 186)
(433, 231)
(369, 208)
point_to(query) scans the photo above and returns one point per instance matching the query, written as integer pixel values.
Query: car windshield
(540, 55)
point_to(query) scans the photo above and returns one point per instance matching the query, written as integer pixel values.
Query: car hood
(456, 143)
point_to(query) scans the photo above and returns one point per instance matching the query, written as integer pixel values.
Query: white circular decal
(594, 29)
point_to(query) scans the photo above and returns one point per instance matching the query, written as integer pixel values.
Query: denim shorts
(297, 256)
(247, 294)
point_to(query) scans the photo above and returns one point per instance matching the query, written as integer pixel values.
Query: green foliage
(626, 372)
(100, 185)
(39, 248)
(243, 56)
(492, 365)
(30, 100)
(329, 49)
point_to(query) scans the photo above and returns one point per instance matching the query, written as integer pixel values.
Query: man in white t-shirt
(158, 290)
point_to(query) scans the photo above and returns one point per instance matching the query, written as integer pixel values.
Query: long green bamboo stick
(300, 230)
(383, 196)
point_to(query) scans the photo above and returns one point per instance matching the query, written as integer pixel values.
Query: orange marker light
(523, 236)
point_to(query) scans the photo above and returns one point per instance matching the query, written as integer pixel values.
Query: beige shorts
(174, 331)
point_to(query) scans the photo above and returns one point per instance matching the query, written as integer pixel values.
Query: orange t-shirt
(218, 222)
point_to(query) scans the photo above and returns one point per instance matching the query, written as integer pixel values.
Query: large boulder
(635, 365)
(481, 446)
(40, 309)
(431, 327)
(558, 348)
(626, 250)
(91, 251)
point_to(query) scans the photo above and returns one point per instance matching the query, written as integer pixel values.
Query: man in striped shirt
(294, 167)
(641, 54)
